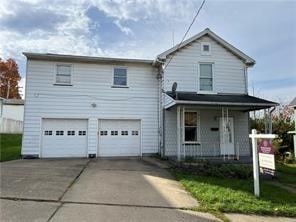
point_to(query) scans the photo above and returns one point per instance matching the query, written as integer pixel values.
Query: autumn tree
(9, 79)
(282, 122)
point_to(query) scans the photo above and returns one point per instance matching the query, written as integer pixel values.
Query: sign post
(254, 136)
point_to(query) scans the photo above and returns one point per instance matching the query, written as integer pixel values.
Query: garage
(64, 138)
(119, 138)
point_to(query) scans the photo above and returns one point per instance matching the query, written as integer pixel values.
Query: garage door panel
(126, 140)
(64, 138)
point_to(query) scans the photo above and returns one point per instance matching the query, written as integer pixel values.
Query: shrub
(222, 170)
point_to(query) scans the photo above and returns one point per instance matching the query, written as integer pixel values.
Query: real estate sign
(266, 157)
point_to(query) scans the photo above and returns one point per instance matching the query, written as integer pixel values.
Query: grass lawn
(221, 195)
(10, 146)
(286, 174)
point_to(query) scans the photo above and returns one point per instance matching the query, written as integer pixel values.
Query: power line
(193, 20)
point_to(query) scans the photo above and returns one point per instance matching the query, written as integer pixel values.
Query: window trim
(119, 86)
(197, 126)
(213, 79)
(202, 52)
(55, 83)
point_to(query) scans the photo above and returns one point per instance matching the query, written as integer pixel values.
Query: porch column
(178, 133)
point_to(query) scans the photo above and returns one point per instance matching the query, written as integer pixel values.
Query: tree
(9, 79)
(282, 122)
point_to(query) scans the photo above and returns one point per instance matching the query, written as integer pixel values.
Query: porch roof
(244, 101)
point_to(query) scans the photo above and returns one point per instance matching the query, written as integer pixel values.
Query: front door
(226, 136)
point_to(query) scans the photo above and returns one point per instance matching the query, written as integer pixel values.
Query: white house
(11, 115)
(79, 106)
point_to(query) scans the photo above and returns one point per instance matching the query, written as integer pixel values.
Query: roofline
(13, 101)
(248, 60)
(77, 58)
(224, 103)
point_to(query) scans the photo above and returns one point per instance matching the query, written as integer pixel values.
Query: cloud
(25, 18)
(264, 30)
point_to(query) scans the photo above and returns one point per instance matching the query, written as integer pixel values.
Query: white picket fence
(11, 126)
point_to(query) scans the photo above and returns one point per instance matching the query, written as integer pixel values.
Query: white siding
(167, 101)
(210, 140)
(241, 128)
(170, 133)
(10, 126)
(210, 119)
(91, 85)
(229, 74)
(14, 112)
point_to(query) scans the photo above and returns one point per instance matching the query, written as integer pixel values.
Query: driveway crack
(74, 180)
(66, 190)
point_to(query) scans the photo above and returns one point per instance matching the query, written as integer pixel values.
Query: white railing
(205, 150)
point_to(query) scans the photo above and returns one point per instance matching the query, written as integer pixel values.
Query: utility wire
(193, 20)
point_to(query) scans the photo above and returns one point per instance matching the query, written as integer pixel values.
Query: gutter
(223, 103)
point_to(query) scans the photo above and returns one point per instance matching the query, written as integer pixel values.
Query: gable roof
(248, 60)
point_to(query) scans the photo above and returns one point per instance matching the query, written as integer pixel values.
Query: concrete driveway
(93, 190)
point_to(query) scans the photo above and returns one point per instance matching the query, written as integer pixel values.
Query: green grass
(221, 195)
(286, 173)
(10, 146)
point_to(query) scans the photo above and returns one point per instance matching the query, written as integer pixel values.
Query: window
(190, 127)
(114, 133)
(135, 133)
(124, 133)
(63, 75)
(103, 133)
(82, 133)
(205, 48)
(206, 77)
(59, 133)
(71, 133)
(48, 133)
(120, 77)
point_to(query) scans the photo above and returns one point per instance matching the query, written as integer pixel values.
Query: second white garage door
(119, 138)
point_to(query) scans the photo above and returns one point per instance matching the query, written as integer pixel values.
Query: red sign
(266, 157)
(265, 147)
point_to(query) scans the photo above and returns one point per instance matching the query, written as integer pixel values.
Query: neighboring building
(79, 106)
(11, 115)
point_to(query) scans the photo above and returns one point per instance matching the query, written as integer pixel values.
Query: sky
(265, 30)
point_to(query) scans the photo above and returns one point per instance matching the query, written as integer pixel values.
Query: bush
(290, 159)
(222, 170)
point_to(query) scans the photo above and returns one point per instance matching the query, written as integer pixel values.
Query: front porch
(213, 151)
(208, 130)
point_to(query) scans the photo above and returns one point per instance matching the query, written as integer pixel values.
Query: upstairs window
(63, 74)
(205, 48)
(206, 77)
(120, 77)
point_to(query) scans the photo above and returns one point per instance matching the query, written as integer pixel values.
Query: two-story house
(192, 100)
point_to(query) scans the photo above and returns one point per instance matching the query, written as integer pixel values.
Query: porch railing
(207, 150)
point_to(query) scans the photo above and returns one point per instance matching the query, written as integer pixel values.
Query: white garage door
(64, 138)
(119, 138)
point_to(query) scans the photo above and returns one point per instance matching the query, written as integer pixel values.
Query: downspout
(246, 79)
(159, 77)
